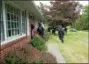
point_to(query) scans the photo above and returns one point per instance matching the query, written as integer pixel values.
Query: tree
(63, 12)
(83, 22)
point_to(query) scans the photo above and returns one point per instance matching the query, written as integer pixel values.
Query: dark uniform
(40, 30)
(61, 33)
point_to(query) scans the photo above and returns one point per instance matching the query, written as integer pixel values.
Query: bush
(15, 56)
(83, 23)
(38, 43)
(46, 36)
(24, 55)
(27, 55)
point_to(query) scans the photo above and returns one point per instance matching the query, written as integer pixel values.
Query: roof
(30, 7)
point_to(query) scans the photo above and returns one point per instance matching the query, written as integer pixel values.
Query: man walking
(32, 31)
(40, 30)
(61, 33)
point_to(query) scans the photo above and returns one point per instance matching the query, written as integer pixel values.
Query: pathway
(54, 49)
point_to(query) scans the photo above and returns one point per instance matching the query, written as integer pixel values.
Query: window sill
(9, 39)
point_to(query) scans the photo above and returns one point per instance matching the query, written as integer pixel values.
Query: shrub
(27, 55)
(38, 43)
(46, 36)
(15, 56)
(24, 55)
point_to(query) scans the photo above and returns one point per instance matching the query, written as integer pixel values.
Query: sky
(48, 2)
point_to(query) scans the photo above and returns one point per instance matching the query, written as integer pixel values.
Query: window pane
(14, 23)
(17, 18)
(14, 18)
(9, 33)
(18, 31)
(12, 31)
(9, 24)
(8, 16)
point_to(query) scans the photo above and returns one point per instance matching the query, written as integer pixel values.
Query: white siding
(28, 24)
(4, 19)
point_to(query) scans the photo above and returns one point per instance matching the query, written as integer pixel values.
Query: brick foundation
(17, 43)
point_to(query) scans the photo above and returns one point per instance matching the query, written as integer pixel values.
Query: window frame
(13, 13)
(2, 37)
(9, 39)
(24, 19)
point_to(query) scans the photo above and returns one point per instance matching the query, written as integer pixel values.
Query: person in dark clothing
(32, 32)
(40, 30)
(61, 36)
(61, 33)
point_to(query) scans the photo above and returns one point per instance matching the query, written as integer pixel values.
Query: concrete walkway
(54, 49)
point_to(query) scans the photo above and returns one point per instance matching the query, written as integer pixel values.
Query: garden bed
(28, 54)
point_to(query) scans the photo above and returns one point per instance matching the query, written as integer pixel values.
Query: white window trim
(21, 20)
(4, 19)
(28, 24)
(12, 39)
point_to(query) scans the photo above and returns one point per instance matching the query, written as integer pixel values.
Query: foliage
(38, 43)
(46, 36)
(13, 60)
(83, 22)
(63, 12)
(15, 56)
(75, 47)
(26, 55)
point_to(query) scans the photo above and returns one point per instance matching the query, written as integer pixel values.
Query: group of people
(39, 31)
(62, 30)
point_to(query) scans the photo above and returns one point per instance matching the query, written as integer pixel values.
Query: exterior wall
(7, 40)
(11, 45)
(18, 41)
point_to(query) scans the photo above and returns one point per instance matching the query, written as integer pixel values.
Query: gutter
(41, 15)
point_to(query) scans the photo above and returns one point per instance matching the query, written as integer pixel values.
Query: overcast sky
(48, 2)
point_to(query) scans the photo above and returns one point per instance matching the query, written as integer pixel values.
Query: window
(2, 37)
(13, 20)
(24, 22)
(13, 25)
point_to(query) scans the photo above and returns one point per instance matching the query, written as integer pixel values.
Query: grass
(75, 46)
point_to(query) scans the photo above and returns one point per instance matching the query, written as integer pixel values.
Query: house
(16, 19)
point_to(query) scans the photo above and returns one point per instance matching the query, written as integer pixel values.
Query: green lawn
(75, 46)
